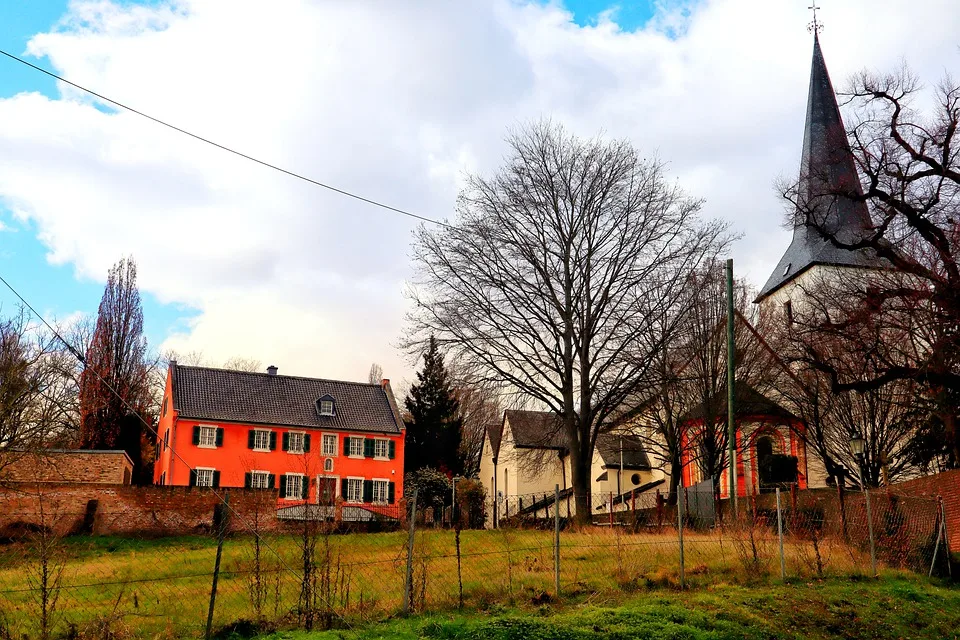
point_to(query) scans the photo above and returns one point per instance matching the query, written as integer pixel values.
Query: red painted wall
(234, 458)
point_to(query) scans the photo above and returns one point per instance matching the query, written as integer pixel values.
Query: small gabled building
(526, 456)
(315, 441)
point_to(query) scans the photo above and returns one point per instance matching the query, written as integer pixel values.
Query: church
(767, 429)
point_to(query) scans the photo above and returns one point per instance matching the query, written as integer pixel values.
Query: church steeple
(826, 167)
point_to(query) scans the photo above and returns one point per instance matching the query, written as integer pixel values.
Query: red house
(316, 441)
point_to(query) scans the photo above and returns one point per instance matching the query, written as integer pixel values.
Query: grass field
(888, 608)
(162, 587)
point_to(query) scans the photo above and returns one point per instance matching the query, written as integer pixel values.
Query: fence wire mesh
(325, 567)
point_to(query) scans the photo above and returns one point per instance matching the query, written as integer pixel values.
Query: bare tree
(555, 273)
(905, 317)
(37, 391)
(115, 402)
(376, 374)
(240, 363)
(478, 407)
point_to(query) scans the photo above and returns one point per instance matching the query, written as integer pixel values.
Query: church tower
(826, 166)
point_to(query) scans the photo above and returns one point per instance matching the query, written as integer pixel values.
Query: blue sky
(56, 290)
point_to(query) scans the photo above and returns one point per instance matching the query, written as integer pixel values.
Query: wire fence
(316, 567)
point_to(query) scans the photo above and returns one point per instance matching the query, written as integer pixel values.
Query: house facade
(315, 441)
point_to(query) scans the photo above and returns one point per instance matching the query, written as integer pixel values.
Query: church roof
(747, 403)
(826, 167)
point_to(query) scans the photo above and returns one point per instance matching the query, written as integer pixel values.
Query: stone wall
(127, 510)
(66, 465)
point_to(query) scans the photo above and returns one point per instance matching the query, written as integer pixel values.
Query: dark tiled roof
(634, 455)
(261, 398)
(747, 401)
(826, 166)
(536, 429)
(495, 433)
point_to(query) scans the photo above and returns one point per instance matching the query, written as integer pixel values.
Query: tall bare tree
(375, 376)
(904, 319)
(115, 398)
(478, 408)
(554, 276)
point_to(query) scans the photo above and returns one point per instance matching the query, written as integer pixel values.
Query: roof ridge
(278, 375)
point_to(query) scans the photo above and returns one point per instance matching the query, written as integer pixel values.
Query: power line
(224, 147)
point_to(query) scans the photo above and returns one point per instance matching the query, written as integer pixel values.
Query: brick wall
(60, 466)
(129, 510)
(945, 485)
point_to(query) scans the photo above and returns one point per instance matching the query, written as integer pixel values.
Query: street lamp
(858, 447)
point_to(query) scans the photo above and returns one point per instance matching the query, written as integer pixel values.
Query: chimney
(385, 383)
(272, 370)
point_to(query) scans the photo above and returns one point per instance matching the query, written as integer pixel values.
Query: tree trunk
(580, 481)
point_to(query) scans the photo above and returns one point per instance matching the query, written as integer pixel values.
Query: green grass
(161, 587)
(870, 609)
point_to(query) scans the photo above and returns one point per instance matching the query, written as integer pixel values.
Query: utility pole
(620, 470)
(731, 355)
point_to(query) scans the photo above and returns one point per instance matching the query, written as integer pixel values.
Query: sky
(396, 101)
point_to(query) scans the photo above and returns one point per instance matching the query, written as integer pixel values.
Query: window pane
(208, 436)
(295, 443)
(260, 480)
(204, 477)
(380, 490)
(380, 448)
(356, 446)
(354, 490)
(261, 440)
(329, 445)
(294, 486)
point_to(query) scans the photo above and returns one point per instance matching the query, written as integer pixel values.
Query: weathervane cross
(815, 26)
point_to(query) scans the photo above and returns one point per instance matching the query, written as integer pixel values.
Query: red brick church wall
(945, 485)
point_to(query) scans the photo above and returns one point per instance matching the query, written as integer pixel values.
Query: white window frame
(323, 445)
(351, 479)
(327, 461)
(303, 437)
(336, 485)
(386, 448)
(211, 470)
(256, 434)
(355, 441)
(286, 492)
(323, 405)
(207, 428)
(386, 491)
(266, 479)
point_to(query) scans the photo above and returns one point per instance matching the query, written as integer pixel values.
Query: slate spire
(826, 167)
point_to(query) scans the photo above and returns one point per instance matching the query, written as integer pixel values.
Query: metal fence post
(680, 502)
(556, 539)
(408, 582)
(783, 566)
(224, 510)
(873, 548)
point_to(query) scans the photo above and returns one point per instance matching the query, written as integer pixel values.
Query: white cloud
(394, 101)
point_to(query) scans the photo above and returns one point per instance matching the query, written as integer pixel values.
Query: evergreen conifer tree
(433, 432)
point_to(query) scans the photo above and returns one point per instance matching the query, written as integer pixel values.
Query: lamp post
(858, 447)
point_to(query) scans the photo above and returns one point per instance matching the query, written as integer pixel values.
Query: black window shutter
(306, 488)
(216, 479)
(219, 436)
(392, 449)
(306, 443)
(368, 490)
(391, 497)
(343, 489)
(247, 480)
(346, 446)
(273, 440)
(283, 486)
(196, 435)
(271, 481)
(251, 436)
(193, 478)
(367, 447)
(286, 441)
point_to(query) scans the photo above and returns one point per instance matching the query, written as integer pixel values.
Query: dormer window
(325, 406)
(786, 269)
